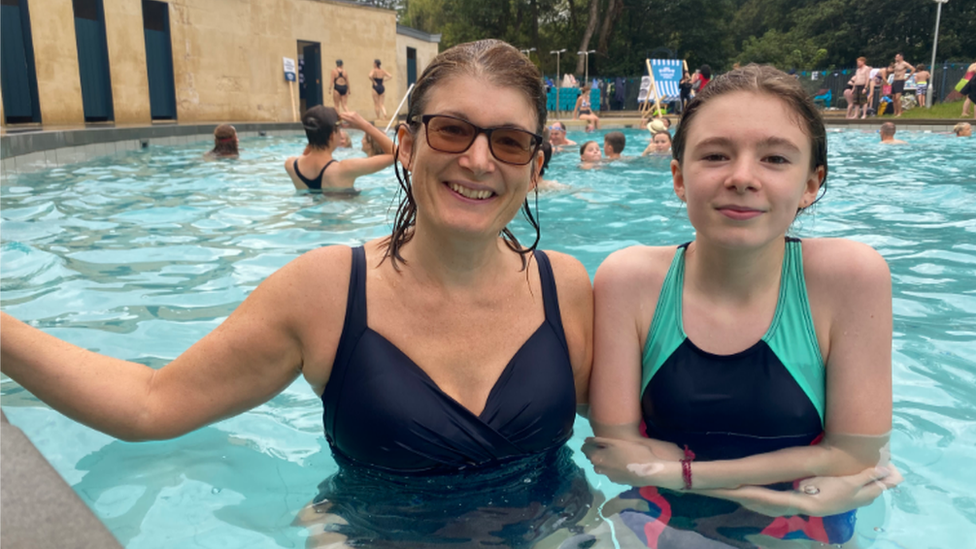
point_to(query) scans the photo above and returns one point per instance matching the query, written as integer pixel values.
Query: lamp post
(586, 63)
(935, 44)
(558, 83)
(526, 52)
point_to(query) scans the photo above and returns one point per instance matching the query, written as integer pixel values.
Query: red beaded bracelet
(686, 467)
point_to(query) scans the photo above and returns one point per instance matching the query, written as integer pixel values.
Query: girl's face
(661, 143)
(591, 153)
(472, 192)
(746, 170)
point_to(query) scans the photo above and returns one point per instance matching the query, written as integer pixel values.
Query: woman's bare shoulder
(843, 262)
(636, 265)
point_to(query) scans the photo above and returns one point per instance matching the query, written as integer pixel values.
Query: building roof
(418, 34)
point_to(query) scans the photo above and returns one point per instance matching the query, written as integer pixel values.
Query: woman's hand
(634, 463)
(817, 496)
(354, 119)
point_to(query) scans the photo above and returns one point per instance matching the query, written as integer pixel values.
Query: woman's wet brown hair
(225, 141)
(498, 63)
(768, 81)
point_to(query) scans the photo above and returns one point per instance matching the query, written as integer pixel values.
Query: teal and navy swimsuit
(765, 398)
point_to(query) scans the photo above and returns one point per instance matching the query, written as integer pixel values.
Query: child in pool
(590, 155)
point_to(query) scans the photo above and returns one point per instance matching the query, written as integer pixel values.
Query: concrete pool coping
(33, 148)
(37, 507)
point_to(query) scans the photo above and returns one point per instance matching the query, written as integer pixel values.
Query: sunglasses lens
(449, 135)
(513, 146)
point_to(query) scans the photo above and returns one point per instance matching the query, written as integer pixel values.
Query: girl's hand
(632, 463)
(353, 119)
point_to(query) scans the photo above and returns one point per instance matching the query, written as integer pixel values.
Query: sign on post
(289, 69)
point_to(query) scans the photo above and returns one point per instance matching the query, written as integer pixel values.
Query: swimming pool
(141, 255)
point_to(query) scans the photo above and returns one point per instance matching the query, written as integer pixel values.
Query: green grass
(940, 110)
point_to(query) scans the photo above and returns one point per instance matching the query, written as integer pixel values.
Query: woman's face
(591, 153)
(661, 143)
(471, 192)
(746, 170)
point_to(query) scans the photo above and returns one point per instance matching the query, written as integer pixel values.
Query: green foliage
(801, 34)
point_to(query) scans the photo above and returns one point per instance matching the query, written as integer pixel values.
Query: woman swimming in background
(377, 76)
(339, 85)
(370, 146)
(225, 143)
(746, 357)
(322, 127)
(590, 155)
(582, 111)
(450, 358)
(660, 144)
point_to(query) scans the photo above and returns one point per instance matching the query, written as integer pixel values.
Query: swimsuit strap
(550, 298)
(666, 332)
(353, 327)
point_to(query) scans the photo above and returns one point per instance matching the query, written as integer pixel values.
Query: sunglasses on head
(455, 135)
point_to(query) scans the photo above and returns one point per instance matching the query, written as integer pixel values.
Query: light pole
(558, 83)
(526, 52)
(935, 44)
(586, 63)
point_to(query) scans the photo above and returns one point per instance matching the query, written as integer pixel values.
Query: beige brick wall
(127, 61)
(426, 51)
(56, 62)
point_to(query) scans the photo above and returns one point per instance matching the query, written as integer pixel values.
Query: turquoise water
(139, 256)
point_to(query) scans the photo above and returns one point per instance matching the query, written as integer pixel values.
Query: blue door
(159, 60)
(17, 77)
(411, 67)
(313, 75)
(96, 85)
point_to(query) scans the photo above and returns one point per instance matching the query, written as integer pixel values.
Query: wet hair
(225, 141)
(585, 145)
(960, 127)
(706, 71)
(668, 134)
(546, 152)
(376, 62)
(320, 123)
(498, 63)
(761, 79)
(372, 145)
(617, 140)
(888, 128)
(338, 62)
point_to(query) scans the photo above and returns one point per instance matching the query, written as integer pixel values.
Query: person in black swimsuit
(322, 128)
(339, 85)
(450, 358)
(377, 76)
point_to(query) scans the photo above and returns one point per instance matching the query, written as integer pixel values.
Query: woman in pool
(376, 78)
(582, 111)
(339, 85)
(315, 169)
(225, 143)
(449, 357)
(660, 144)
(590, 155)
(745, 358)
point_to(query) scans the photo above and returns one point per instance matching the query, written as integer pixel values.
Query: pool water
(138, 256)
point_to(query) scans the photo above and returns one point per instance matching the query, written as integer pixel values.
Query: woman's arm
(576, 309)
(245, 361)
(357, 121)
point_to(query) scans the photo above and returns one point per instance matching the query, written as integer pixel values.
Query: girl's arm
(850, 291)
(357, 121)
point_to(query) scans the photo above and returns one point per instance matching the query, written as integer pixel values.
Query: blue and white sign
(667, 75)
(289, 69)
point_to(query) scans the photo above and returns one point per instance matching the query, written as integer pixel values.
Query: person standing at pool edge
(746, 357)
(322, 128)
(377, 76)
(339, 86)
(455, 348)
(898, 85)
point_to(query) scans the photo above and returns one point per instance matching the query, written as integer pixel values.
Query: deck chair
(823, 98)
(660, 85)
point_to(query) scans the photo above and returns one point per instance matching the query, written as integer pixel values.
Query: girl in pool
(582, 111)
(324, 137)
(590, 155)
(745, 358)
(450, 358)
(660, 144)
(225, 143)
(376, 78)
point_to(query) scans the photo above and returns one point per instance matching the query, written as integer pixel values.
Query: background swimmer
(590, 155)
(557, 137)
(887, 132)
(613, 145)
(660, 144)
(225, 143)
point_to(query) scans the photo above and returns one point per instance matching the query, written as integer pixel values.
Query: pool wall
(33, 151)
(38, 508)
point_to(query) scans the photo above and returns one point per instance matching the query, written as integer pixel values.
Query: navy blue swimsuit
(384, 411)
(315, 184)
